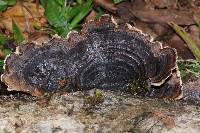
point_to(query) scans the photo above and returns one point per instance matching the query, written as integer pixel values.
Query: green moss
(95, 99)
(138, 87)
(189, 69)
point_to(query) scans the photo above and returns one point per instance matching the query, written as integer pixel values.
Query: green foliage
(37, 25)
(79, 1)
(56, 16)
(6, 51)
(5, 3)
(1, 65)
(100, 12)
(86, 8)
(2, 40)
(97, 98)
(117, 1)
(64, 18)
(18, 36)
(189, 67)
(138, 87)
(10, 2)
(192, 44)
(199, 28)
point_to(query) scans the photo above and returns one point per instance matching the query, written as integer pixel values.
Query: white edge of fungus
(71, 32)
(151, 39)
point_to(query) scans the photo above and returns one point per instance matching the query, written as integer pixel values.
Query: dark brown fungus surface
(100, 56)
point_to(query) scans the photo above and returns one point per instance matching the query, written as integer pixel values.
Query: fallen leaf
(151, 15)
(92, 16)
(182, 49)
(18, 36)
(106, 4)
(191, 43)
(25, 15)
(117, 1)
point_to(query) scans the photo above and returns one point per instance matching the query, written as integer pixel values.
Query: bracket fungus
(101, 56)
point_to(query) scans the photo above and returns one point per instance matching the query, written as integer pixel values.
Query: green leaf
(10, 2)
(7, 51)
(43, 3)
(55, 13)
(79, 1)
(117, 1)
(37, 25)
(2, 39)
(62, 31)
(1, 65)
(65, 18)
(192, 44)
(189, 68)
(3, 5)
(199, 28)
(62, 2)
(86, 9)
(57, 16)
(18, 36)
(100, 12)
(74, 11)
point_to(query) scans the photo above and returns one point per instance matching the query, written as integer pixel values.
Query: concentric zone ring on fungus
(100, 56)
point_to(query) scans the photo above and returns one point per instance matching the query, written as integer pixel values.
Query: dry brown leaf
(151, 15)
(91, 16)
(165, 16)
(39, 37)
(25, 15)
(181, 47)
(163, 3)
(106, 4)
(2, 55)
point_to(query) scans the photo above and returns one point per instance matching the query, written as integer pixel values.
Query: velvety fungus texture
(101, 56)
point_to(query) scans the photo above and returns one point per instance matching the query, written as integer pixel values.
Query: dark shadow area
(6, 95)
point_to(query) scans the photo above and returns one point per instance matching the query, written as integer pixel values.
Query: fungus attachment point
(100, 56)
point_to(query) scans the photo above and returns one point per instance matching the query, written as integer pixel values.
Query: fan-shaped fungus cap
(100, 56)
